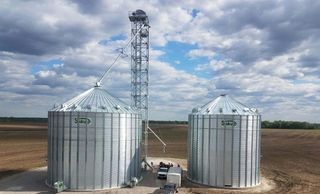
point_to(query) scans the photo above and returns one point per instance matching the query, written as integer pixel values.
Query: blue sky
(176, 54)
(263, 53)
(44, 65)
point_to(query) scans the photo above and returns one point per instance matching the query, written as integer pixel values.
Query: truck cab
(162, 172)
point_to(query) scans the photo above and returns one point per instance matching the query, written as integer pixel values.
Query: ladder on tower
(140, 70)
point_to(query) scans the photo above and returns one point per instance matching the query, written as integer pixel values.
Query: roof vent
(245, 109)
(88, 106)
(103, 107)
(234, 110)
(254, 110)
(220, 110)
(195, 110)
(98, 84)
(208, 110)
(117, 107)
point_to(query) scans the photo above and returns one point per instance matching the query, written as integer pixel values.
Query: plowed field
(291, 158)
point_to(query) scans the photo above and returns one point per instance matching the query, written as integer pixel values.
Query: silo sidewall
(224, 150)
(88, 150)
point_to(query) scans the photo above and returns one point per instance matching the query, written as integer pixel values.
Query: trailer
(174, 176)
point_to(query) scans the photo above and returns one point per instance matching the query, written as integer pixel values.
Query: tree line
(45, 120)
(23, 120)
(279, 124)
(168, 122)
(289, 125)
(265, 124)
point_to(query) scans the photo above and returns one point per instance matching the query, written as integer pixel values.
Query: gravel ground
(33, 181)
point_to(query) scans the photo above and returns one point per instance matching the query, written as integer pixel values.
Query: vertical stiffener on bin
(224, 144)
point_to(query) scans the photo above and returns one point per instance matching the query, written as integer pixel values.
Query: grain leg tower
(140, 67)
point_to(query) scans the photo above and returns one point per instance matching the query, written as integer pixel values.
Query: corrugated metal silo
(93, 142)
(224, 144)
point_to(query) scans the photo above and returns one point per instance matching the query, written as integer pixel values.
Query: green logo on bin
(82, 120)
(228, 123)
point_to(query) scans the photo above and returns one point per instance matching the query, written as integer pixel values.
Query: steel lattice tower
(140, 67)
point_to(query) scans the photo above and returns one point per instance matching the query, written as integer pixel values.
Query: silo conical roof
(224, 104)
(95, 99)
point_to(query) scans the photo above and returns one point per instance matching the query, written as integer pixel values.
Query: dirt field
(175, 136)
(22, 147)
(291, 158)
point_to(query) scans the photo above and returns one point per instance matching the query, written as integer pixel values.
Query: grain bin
(224, 144)
(93, 142)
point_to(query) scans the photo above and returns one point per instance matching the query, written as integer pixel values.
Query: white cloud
(264, 53)
(219, 65)
(201, 53)
(174, 91)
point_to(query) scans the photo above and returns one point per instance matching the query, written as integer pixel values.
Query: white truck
(174, 176)
(162, 173)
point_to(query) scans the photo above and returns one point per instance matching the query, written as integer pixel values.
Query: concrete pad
(32, 181)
